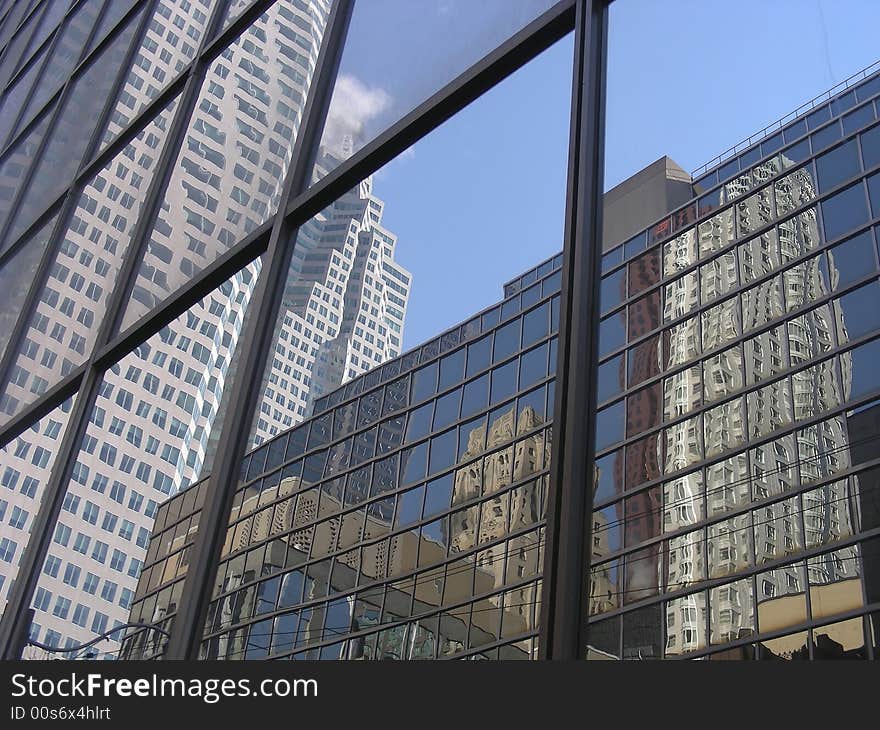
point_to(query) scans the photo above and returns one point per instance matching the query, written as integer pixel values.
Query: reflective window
(228, 176)
(838, 165)
(82, 277)
(438, 47)
(851, 260)
(844, 211)
(16, 276)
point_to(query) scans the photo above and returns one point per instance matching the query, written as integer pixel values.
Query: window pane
(431, 45)
(25, 466)
(161, 56)
(230, 170)
(82, 277)
(71, 133)
(16, 277)
(149, 434)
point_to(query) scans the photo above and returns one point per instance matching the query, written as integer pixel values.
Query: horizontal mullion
(221, 269)
(51, 399)
(514, 53)
(749, 572)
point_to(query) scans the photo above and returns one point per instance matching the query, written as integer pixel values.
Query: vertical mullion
(16, 614)
(566, 563)
(255, 341)
(66, 210)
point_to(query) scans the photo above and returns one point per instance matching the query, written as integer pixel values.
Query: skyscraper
(210, 425)
(173, 384)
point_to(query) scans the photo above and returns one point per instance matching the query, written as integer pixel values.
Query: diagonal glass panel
(172, 38)
(15, 165)
(113, 12)
(25, 465)
(72, 131)
(11, 22)
(82, 277)
(65, 55)
(53, 15)
(15, 97)
(14, 54)
(228, 176)
(398, 53)
(144, 442)
(16, 277)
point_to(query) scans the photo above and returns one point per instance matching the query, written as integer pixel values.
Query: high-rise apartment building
(161, 160)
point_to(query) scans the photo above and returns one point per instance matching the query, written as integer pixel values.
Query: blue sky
(481, 198)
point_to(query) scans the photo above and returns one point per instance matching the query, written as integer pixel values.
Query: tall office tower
(168, 392)
(731, 490)
(343, 308)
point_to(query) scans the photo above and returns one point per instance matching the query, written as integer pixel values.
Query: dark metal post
(566, 576)
(254, 346)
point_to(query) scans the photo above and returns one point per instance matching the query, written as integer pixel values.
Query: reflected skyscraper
(343, 316)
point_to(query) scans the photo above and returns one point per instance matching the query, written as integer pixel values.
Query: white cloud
(352, 107)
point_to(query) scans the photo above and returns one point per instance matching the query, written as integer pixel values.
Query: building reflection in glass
(738, 321)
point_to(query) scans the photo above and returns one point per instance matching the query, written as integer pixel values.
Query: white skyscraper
(151, 426)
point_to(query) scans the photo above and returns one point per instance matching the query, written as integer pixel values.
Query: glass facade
(221, 224)
(736, 448)
(404, 520)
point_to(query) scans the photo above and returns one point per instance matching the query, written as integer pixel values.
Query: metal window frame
(563, 619)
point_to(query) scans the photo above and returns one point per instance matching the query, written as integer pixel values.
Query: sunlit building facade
(731, 484)
(160, 160)
(168, 393)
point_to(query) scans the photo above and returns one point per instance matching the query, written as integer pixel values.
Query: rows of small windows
(750, 219)
(299, 635)
(809, 279)
(759, 176)
(833, 381)
(524, 561)
(485, 322)
(511, 562)
(156, 58)
(167, 567)
(304, 437)
(800, 285)
(100, 253)
(199, 217)
(770, 530)
(98, 550)
(816, 118)
(432, 504)
(807, 609)
(92, 585)
(533, 275)
(800, 453)
(401, 439)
